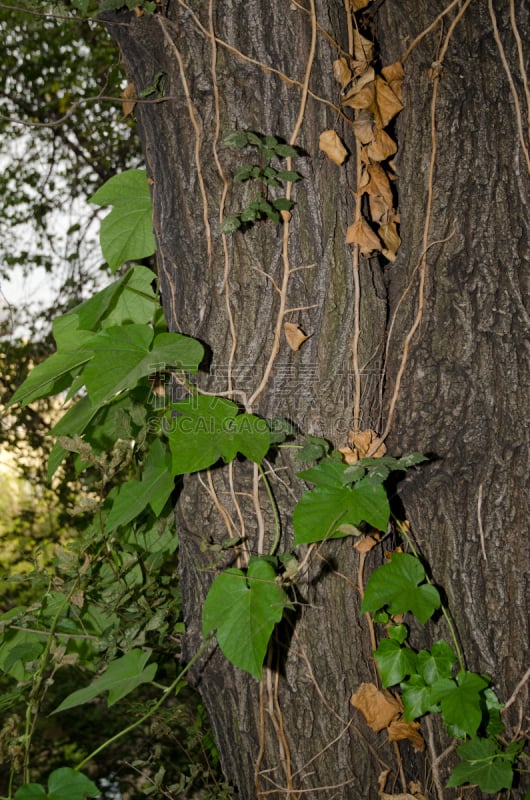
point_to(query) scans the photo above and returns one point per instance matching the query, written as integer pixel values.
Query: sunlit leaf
(207, 429)
(243, 609)
(127, 232)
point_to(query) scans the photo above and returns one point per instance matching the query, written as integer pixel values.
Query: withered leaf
(361, 233)
(129, 95)
(362, 92)
(382, 146)
(394, 75)
(388, 104)
(294, 335)
(341, 71)
(401, 729)
(363, 127)
(363, 49)
(388, 233)
(379, 193)
(358, 4)
(378, 706)
(361, 442)
(365, 544)
(332, 146)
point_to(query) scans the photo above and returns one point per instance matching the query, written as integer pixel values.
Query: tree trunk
(461, 397)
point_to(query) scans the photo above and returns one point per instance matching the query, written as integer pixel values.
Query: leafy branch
(263, 207)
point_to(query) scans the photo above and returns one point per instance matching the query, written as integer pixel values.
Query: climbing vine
(119, 366)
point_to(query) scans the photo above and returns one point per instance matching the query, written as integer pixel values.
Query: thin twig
(516, 691)
(163, 22)
(511, 83)
(479, 520)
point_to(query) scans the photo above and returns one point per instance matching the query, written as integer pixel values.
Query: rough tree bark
(463, 395)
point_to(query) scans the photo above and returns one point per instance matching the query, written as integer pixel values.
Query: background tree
(433, 343)
(63, 134)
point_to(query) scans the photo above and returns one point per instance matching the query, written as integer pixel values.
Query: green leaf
(153, 489)
(243, 173)
(16, 649)
(289, 175)
(416, 696)
(51, 377)
(394, 662)
(483, 763)
(282, 204)
(120, 678)
(127, 232)
(436, 663)
(210, 428)
(68, 784)
(129, 299)
(243, 609)
(328, 472)
(397, 632)
(236, 140)
(377, 470)
(230, 223)
(461, 702)
(123, 354)
(31, 791)
(63, 784)
(396, 586)
(285, 151)
(315, 449)
(321, 512)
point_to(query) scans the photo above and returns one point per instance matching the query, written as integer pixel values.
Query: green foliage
(399, 586)
(345, 496)
(126, 233)
(469, 708)
(244, 607)
(211, 428)
(484, 763)
(63, 784)
(121, 677)
(268, 177)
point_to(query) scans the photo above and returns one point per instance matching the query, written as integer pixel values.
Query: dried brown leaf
(342, 72)
(294, 335)
(388, 104)
(363, 49)
(382, 146)
(360, 443)
(129, 95)
(379, 193)
(378, 706)
(401, 729)
(363, 127)
(361, 94)
(332, 146)
(358, 4)
(366, 544)
(381, 782)
(361, 233)
(390, 237)
(394, 75)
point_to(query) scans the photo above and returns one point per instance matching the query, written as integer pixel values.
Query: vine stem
(277, 526)
(172, 687)
(423, 266)
(32, 708)
(445, 613)
(286, 225)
